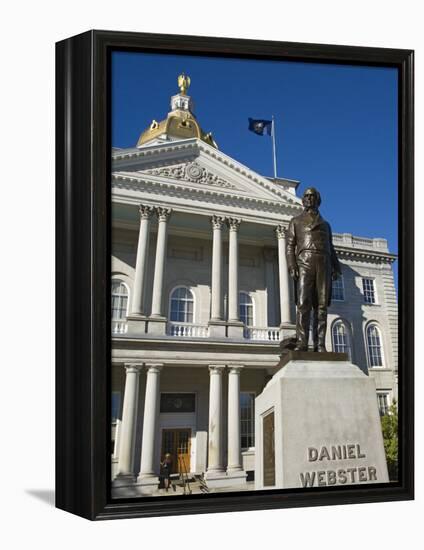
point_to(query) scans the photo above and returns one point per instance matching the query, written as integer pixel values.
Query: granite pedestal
(318, 424)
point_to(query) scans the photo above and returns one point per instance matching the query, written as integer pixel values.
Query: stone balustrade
(119, 327)
(187, 330)
(262, 333)
(190, 330)
(346, 239)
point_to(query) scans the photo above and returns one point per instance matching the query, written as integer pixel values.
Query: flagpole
(273, 147)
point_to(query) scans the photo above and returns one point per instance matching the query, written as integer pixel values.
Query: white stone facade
(185, 215)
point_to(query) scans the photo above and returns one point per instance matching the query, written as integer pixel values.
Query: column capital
(216, 369)
(281, 231)
(163, 213)
(235, 369)
(145, 211)
(133, 367)
(217, 221)
(154, 367)
(234, 223)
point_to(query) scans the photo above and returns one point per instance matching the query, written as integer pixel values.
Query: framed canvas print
(234, 275)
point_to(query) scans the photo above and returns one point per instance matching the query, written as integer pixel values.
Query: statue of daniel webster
(313, 264)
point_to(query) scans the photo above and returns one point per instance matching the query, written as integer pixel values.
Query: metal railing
(184, 475)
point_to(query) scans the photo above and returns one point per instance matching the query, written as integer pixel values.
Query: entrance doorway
(176, 442)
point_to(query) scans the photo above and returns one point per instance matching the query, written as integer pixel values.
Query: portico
(223, 318)
(155, 412)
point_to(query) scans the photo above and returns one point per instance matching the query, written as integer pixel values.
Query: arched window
(375, 350)
(182, 305)
(340, 337)
(246, 309)
(119, 300)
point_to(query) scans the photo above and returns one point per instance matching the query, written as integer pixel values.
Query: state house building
(201, 298)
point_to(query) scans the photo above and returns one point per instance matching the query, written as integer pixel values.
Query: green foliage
(389, 425)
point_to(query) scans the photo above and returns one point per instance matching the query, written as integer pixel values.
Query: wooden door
(176, 442)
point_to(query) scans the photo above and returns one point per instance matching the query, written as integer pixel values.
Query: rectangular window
(116, 405)
(383, 403)
(368, 288)
(177, 402)
(247, 420)
(337, 292)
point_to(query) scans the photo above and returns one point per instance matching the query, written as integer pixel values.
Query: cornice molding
(207, 194)
(365, 255)
(196, 145)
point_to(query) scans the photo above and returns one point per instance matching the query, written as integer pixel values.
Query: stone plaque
(268, 450)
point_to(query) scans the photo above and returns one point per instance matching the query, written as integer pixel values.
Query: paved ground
(196, 486)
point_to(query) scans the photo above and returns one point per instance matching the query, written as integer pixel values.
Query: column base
(235, 329)
(217, 328)
(124, 480)
(115, 464)
(225, 479)
(288, 326)
(287, 330)
(147, 485)
(127, 486)
(156, 325)
(236, 477)
(137, 324)
(216, 479)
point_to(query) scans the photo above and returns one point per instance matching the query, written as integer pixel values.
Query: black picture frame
(83, 274)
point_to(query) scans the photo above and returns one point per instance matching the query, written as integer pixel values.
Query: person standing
(165, 471)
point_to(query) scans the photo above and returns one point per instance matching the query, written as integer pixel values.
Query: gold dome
(180, 123)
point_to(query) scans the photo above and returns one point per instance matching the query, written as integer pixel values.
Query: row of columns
(233, 291)
(218, 222)
(129, 419)
(216, 286)
(150, 420)
(138, 303)
(215, 439)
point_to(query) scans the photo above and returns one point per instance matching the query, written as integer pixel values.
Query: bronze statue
(313, 264)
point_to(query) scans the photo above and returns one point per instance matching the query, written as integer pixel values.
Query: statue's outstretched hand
(294, 273)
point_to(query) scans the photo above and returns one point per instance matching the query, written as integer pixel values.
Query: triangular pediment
(193, 172)
(194, 164)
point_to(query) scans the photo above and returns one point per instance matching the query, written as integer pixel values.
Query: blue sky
(336, 125)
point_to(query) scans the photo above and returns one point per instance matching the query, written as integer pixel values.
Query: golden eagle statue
(183, 83)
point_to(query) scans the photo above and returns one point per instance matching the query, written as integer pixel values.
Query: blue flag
(259, 126)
